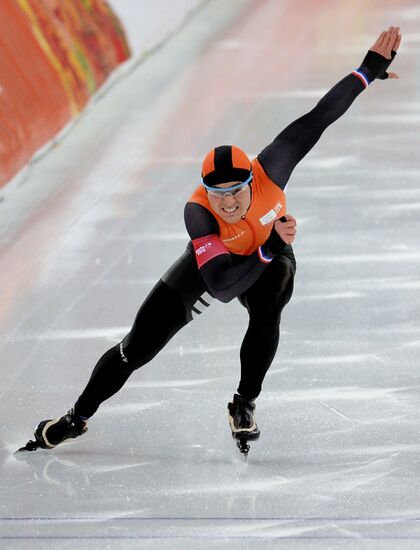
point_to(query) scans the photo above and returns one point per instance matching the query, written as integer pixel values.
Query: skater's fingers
(290, 229)
(288, 239)
(393, 75)
(287, 234)
(381, 38)
(389, 41)
(289, 225)
(386, 42)
(393, 39)
(378, 43)
(286, 221)
(291, 218)
(388, 34)
(397, 43)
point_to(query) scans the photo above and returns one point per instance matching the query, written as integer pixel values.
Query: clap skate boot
(50, 433)
(242, 422)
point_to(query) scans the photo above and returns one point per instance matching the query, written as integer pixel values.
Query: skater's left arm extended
(282, 155)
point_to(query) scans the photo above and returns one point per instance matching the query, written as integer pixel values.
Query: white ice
(100, 218)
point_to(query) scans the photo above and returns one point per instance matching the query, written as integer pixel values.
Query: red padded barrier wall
(54, 54)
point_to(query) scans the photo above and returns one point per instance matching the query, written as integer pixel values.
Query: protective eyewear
(221, 192)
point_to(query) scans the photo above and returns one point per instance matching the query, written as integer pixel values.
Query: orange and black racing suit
(246, 260)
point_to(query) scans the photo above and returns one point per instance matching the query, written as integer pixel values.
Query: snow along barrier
(148, 22)
(54, 55)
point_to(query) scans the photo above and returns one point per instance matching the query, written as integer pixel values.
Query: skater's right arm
(226, 275)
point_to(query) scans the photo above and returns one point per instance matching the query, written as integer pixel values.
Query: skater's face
(230, 205)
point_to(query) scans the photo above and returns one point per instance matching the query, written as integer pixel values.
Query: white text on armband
(207, 248)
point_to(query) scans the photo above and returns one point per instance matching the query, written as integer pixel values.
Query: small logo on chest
(271, 215)
(238, 236)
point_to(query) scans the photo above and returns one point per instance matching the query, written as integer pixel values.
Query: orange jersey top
(268, 204)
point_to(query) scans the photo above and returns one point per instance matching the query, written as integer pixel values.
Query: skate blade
(243, 447)
(29, 447)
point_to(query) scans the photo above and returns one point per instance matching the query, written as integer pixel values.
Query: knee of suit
(128, 358)
(270, 315)
(133, 357)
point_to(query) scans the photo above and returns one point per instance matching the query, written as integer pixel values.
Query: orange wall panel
(54, 54)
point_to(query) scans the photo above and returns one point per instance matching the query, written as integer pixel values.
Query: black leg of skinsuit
(160, 317)
(165, 311)
(264, 300)
(170, 306)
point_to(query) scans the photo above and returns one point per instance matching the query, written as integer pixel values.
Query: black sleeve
(282, 155)
(199, 221)
(375, 65)
(227, 275)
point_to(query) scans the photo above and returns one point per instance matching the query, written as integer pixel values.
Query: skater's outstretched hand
(286, 229)
(387, 42)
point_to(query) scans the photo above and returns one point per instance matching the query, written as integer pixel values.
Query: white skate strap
(237, 430)
(44, 432)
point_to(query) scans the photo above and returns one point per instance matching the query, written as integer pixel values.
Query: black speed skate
(242, 422)
(50, 433)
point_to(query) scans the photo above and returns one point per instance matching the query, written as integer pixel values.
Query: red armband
(207, 248)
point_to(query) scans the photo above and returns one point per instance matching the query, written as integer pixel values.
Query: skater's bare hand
(387, 42)
(286, 230)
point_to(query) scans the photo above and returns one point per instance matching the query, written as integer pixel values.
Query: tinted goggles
(221, 192)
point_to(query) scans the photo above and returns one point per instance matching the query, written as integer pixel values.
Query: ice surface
(97, 222)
